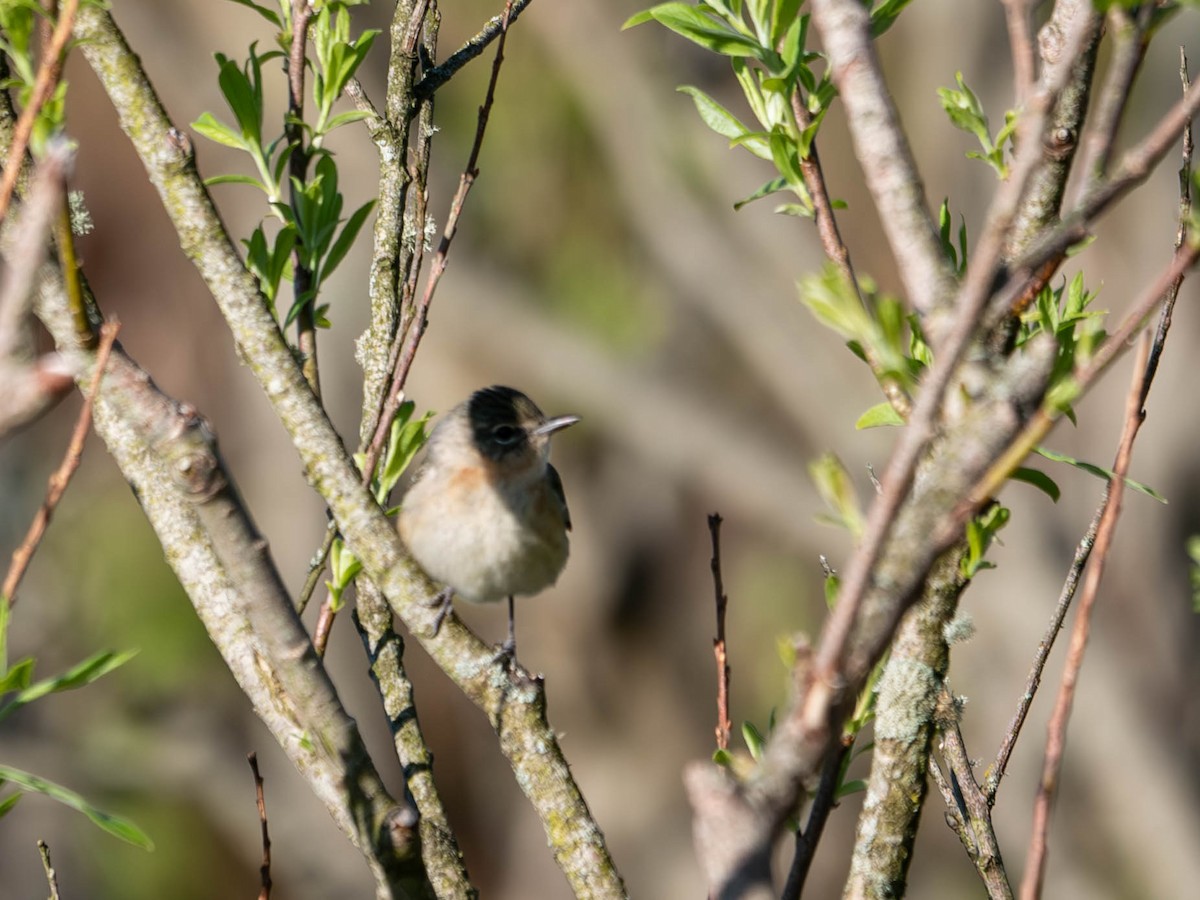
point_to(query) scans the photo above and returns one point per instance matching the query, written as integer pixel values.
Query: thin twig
(1020, 40)
(62, 476)
(306, 328)
(1035, 867)
(43, 86)
(474, 46)
(264, 870)
(724, 726)
(975, 809)
(51, 875)
(420, 319)
(824, 801)
(839, 254)
(1083, 552)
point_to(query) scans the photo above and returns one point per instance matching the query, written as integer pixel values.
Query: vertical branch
(306, 329)
(264, 869)
(723, 724)
(1035, 867)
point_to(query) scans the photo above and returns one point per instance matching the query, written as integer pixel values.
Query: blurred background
(601, 268)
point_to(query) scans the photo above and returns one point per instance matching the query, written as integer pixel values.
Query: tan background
(601, 268)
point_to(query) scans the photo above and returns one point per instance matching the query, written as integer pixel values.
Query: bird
(485, 514)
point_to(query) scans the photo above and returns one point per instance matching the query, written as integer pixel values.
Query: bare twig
(62, 475)
(1031, 884)
(51, 875)
(474, 46)
(719, 651)
(824, 800)
(974, 808)
(997, 770)
(43, 86)
(264, 869)
(1020, 40)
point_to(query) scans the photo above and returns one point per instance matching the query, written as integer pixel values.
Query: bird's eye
(506, 434)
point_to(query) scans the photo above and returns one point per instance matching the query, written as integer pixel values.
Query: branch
(883, 151)
(264, 869)
(723, 724)
(474, 46)
(385, 653)
(1035, 867)
(62, 475)
(51, 875)
(513, 701)
(43, 87)
(972, 805)
(904, 726)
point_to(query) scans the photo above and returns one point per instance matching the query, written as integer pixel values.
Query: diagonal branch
(883, 151)
(513, 701)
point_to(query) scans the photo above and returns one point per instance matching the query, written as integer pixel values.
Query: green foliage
(1064, 313)
(1098, 471)
(966, 114)
(307, 229)
(876, 327)
(405, 439)
(836, 488)
(765, 41)
(956, 252)
(1193, 552)
(18, 29)
(17, 680)
(981, 531)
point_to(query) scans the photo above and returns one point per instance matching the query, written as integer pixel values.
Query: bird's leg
(508, 650)
(444, 601)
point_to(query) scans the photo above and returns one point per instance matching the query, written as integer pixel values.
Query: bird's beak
(558, 423)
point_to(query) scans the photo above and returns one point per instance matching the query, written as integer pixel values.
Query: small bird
(486, 515)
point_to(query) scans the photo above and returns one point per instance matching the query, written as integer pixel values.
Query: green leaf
(713, 114)
(774, 186)
(114, 825)
(83, 673)
(19, 676)
(1099, 472)
(834, 485)
(879, 415)
(755, 742)
(885, 14)
(689, 22)
(9, 802)
(346, 239)
(851, 787)
(1193, 551)
(723, 758)
(208, 126)
(1039, 480)
(236, 179)
(267, 14)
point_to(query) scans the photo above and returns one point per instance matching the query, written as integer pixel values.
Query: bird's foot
(444, 601)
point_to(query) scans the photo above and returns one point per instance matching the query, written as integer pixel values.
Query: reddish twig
(420, 320)
(43, 86)
(1035, 867)
(264, 870)
(724, 726)
(62, 476)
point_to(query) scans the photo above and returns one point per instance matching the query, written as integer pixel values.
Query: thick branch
(514, 704)
(883, 151)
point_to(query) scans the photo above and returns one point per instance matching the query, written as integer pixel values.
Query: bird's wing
(556, 486)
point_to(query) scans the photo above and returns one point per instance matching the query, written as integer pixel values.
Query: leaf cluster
(405, 439)
(17, 689)
(311, 230)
